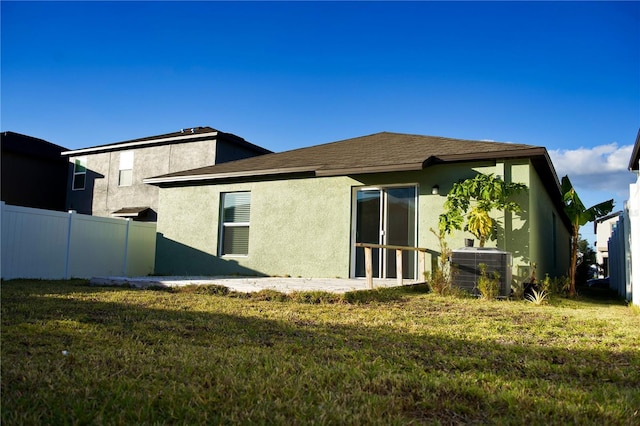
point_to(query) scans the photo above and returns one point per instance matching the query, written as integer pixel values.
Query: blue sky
(564, 75)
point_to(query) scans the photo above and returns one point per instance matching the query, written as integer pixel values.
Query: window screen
(125, 175)
(236, 210)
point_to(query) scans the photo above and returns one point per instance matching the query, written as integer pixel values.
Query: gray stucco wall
(103, 195)
(302, 227)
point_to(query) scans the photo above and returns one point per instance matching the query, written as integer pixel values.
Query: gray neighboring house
(106, 180)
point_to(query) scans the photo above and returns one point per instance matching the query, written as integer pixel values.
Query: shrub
(441, 279)
(487, 286)
(440, 282)
(553, 286)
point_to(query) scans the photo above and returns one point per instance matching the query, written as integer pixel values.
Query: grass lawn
(393, 356)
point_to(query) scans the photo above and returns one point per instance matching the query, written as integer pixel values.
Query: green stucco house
(300, 212)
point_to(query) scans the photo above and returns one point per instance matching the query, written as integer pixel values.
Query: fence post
(399, 266)
(421, 266)
(368, 267)
(67, 272)
(126, 247)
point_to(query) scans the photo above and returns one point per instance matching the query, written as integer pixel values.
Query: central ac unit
(466, 266)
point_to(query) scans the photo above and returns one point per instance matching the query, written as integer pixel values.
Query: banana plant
(473, 199)
(579, 215)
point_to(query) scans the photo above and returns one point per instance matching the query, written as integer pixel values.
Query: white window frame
(83, 162)
(126, 164)
(224, 225)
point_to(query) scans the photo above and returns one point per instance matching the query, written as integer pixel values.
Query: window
(125, 176)
(79, 173)
(236, 209)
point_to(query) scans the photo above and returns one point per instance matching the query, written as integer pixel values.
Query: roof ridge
(377, 152)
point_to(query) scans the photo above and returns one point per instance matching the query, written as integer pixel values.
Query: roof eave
(125, 145)
(514, 153)
(229, 175)
(371, 169)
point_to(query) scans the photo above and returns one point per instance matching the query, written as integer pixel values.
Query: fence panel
(97, 246)
(141, 251)
(33, 242)
(54, 245)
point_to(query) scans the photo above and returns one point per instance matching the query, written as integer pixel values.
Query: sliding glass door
(385, 216)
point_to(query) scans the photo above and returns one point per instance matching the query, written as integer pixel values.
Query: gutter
(137, 144)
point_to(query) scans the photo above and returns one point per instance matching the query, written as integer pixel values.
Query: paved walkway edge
(251, 284)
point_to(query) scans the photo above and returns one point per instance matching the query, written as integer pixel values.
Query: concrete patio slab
(252, 284)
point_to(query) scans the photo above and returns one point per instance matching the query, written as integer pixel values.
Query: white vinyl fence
(48, 244)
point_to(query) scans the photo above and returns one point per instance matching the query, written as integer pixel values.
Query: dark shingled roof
(131, 211)
(380, 152)
(190, 134)
(28, 145)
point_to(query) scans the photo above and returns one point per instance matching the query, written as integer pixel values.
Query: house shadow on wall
(177, 259)
(517, 244)
(81, 200)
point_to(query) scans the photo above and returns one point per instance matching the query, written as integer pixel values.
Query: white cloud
(601, 168)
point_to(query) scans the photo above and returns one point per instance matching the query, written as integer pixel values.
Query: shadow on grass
(242, 367)
(599, 296)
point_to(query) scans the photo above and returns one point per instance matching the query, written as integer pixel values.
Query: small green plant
(488, 286)
(554, 286)
(560, 285)
(537, 297)
(545, 287)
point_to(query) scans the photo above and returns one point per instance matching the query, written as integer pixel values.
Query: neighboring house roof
(28, 145)
(380, 152)
(635, 155)
(184, 135)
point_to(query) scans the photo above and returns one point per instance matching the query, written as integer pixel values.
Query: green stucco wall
(551, 255)
(302, 227)
(299, 227)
